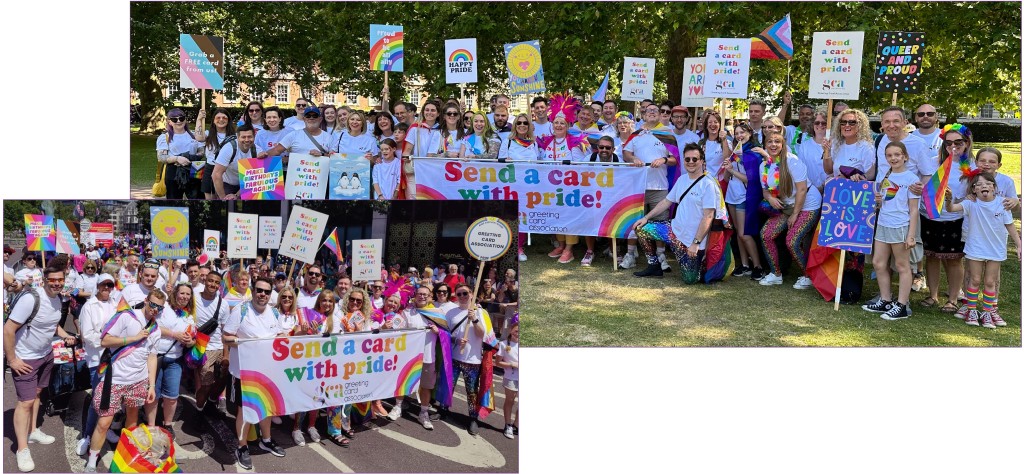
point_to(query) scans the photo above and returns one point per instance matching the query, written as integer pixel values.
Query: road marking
(340, 466)
(471, 451)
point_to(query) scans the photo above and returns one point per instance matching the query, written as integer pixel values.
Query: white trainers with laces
(25, 462)
(37, 436)
(588, 258)
(298, 438)
(771, 279)
(522, 256)
(83, 446)
(395, 412)
(628, 261)
(803, 283)
(425, 420)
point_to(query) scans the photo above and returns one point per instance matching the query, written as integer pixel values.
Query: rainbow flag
(445, 386)
(934, 193)
(435, 316)
(823, 267)
(664, 134)
(360, 413)
(332, 243)
(122, 309)
(197, 356)
(485, 393)
(775, 42)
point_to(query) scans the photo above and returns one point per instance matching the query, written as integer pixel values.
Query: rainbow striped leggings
(776, 225)
(689, 267)
(471, 376)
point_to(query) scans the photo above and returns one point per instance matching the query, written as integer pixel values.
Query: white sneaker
(522, 256)
(508, 432)
(313, 435)
(771, 279)
(25, 463)
(628, 261)
(664, 263)
(425, 419)
(395, 412)
(803, 283)
(298, 438)
(83, 446)
(38, 436)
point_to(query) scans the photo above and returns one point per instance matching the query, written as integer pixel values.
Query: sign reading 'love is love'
(170, 231)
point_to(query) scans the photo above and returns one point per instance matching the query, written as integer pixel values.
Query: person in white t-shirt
(27, 345)
(273, 132)
(468, 335)
(176, 148)
(177, 329)
(216, 138)
(786, 188)
(94, 315)
(988, 223)
(225, 170)
(213, 375)
(698, 198)
(388, 172)
(851, 147)
(250, 320)
(355, 140)
(29, 275)
(254, 115)
(644, 148)
(128, 273)
(423, 139)
(680, 120)
(309, 140)
(520, 143)
(895, 232)
(927, 119)
(428, 379)
(508, 359)
(297, 122)
(541, 125)
(131, 376)
(310, 289)
(137, 292)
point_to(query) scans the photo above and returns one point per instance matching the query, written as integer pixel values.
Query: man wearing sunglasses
(310, 289)
(927, 120)
(310, 140)
(254, 319)
(95, 314)
(27, 345)
(131, 375)
(645, 148)
(137, 292)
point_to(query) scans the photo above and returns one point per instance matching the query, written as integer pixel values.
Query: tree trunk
(151, 111)
(682, 43)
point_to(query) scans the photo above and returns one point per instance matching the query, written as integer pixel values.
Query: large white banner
(296, 374)
(460, 60)
(835, 65)
(301, 238)
(367, 255)
(270, 232)
(693, 84)
(307, 176)
(728, 68)
(242, 235)
(582, 199)
(637, 78)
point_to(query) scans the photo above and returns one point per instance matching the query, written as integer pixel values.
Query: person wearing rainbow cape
(128, 367)
(472, 354)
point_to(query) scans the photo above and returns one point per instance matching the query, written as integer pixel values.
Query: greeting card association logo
(833, 84)
(725, 85)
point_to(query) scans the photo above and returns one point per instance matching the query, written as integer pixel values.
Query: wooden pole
(476, 287)
(894, 97)
(462, 93)
(839, 281)
(386, 88)
(615, 255)
(43, 254)
(828, 131)
(291, 268)
(202, 100)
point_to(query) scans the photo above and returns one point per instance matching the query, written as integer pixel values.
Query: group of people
(141, 318)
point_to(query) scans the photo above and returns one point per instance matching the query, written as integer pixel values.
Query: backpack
(35, 307)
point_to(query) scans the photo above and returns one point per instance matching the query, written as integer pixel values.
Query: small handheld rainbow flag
(332, 243)
(890, 189)
(197, 356)
(934, 192)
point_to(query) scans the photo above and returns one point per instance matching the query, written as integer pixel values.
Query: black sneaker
(756, 274)
(473, 428)
(244, 461)
(896, 311)
(170, 430)
(211, 410)
(879, 306)
(272, 448)
(739, 271)
(653, 270)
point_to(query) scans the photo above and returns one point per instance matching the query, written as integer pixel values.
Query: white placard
(488, 238)
(835, 65)
(302, 236)
(693, 84)
(637, 78)
(366, 259)
(242, 235)
(460, 60)
(727, 68)
(307, 176)
(211, 243)
(270, 232)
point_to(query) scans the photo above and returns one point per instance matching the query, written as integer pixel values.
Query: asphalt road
(202, 444)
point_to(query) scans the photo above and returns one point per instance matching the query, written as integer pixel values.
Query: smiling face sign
(525, 68)
(169, 227)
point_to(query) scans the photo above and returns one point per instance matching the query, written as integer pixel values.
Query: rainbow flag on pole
(934, 192)
(196, 357)
(775, 42)
(332, 243)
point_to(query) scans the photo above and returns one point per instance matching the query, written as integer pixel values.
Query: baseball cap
(411, 270)
(105, 277)
(311, 109)
(681, 108)
(280, 276)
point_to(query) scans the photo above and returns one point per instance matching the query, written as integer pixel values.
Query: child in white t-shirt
(508, 359)
(895, 231)
(988, 224)
(388, 172)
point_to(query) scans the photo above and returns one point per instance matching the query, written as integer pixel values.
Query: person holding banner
(417, 318)
(177, 325)
(310, 140)
(541, 125)
(469, 328)
(319, 320)
(560, 147)
(357, 306)
(176, 148)
(852, 154)
(502, 129)
(795, 206)
(309, 292)
(423, 139)
(520, 144)
(251, 320)
(211, 311)
(225, 170)
(253, 116)
(481, 142)
(698, 198)
(221, 131)
(387, 173)
(354, 139)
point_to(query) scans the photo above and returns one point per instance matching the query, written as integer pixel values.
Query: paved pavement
(142, 192)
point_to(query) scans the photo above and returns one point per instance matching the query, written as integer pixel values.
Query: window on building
(471, 101)
(988, 111)
(351, 98)
(173, 90)
(231, 94)
(281, 95)
(328, 98)
(309, 94)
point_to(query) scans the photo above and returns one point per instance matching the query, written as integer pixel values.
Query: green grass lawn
(567, 305)
(143, 159)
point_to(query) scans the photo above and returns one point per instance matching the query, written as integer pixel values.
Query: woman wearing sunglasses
(452, 131)
(94, 316)
(177, 326)
(470, 325)
(176, 148)
(520, 145)
(253, 115)
(220, 132)
(423, 139)
(852, 149)
(811, 149)
(353, 319)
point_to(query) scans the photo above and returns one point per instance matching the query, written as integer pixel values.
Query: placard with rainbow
(460, 65)
(288, 375)
(261, 178)
(386, 48)
(40, 234)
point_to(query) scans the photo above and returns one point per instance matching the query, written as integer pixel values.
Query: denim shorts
(168, 377)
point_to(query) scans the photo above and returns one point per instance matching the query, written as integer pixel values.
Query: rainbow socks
(988, 301)
(972, 298)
